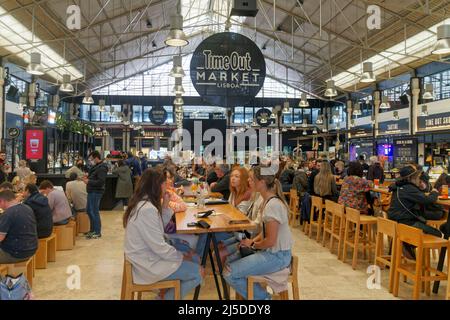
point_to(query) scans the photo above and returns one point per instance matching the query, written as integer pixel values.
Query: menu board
(34, 140)
(405, 151)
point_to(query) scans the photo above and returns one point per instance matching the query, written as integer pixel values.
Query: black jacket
(97, 178)
(311, 178)
(223, 186)
(44, 218)
(375, 172)
(412, 199)
(287, 177)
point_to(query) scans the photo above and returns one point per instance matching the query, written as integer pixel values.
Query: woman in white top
(152, 258)
(273, 244)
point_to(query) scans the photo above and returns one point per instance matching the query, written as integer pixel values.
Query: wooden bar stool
(317, 207)
(46, 251)
(336, 229)
(25, 267)
(354, 218)
(293, 206)
(389, 228)
(284, 295)
(64, 237)
(437, 224)
(129, 288)
(420, 270)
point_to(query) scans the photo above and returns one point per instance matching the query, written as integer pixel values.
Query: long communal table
(220, 222)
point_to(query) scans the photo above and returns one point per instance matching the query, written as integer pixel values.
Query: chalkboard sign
(227, 69)
(405, 151)
(158, 115)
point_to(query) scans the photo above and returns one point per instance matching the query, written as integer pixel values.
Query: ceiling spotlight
(286, 107)
(178, 88)
(176, 37)
(442, 45)
(154, 44)
(331, 89)
(149, 23)
(177, 70)
(424, 112)
(304, 101)
(35, 66)
(368, 75)
(428, 94)
(88, 97)
(66, 86)
(385, 103)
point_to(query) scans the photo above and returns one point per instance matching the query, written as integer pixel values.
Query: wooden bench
(64, 237)
(129, 288)
(46, 251)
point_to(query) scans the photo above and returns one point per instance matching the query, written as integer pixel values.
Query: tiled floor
(321, 275)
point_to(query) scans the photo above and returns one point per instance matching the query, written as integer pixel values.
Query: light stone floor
(321, 275)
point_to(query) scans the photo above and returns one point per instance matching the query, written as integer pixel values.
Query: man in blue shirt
(143, 160)
(134, 165)
(18, 231)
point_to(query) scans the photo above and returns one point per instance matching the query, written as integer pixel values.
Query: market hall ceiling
(313, 39)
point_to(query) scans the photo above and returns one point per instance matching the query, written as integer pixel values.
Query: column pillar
(2, 106)
(375, 112)
(349, 125)
(415, 90)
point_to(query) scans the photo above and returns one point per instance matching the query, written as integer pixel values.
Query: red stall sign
(35, 144)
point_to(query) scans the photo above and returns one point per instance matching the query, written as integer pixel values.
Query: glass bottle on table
(201, 198)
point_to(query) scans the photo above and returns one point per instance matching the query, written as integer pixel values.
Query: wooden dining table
(226, 218)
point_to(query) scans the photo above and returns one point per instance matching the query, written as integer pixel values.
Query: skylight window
(17, 39)
(417, 47)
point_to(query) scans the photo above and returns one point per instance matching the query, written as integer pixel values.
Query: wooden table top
(383, 190)
(379, 189)
(218, 223)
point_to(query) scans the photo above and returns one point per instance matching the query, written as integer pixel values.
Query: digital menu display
(34, 144)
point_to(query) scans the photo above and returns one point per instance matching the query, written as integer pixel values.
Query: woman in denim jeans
(274, 243)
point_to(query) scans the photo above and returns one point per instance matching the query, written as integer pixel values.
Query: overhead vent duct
(244, 8)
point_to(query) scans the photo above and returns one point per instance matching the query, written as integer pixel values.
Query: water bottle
(201, 198)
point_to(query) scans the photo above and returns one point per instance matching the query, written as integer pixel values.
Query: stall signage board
(438, 121)
(227, 69)
(393, 127)
(158, 115)
(405, 151)
(13, 132)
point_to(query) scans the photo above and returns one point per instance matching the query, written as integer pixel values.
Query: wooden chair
(336, 229)
(293, 206)
(129, 288)
(64, 237)
(420, 270)
(284, 295)
(25, 267)
(389, 228)
(46, 251)
(317, 206)
(354, 218)
(83, 222)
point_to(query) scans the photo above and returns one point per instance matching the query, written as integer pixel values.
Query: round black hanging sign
(158, 115)
(228, 69)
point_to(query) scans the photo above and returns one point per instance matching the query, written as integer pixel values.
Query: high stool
(335, 212)
(420, 270)
(293, 206)
(316, 207)
(437, 224)
(73, 224)
(83, 222)
(284, 295)
(46, 251)
(129, 288)
(389, 228)
(354, 218)
(25, 267)
(64, 237)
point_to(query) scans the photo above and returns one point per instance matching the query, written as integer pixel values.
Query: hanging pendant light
(178, 101)
(442, 45)
(35, 66)
(273, 115)
(177, 70)
(293, 128)
(286, 107)
(66, 86)
(305, 123)
(178, 88)
(428, 94)
(357, 110)
(88, 97)
(324, 130)
(315, 130)
(319, 119)
(336, 116)
(176, 36)
(368, 75)
(263, 120)
(331, 89)
(396, 116)
(284, 129)
(385, 103)
(305, 132)
(101, 105)
(424, 111)
(304, 101)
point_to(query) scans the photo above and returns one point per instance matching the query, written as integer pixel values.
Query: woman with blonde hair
(22, 171)
(325, 183)
(272, 247)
